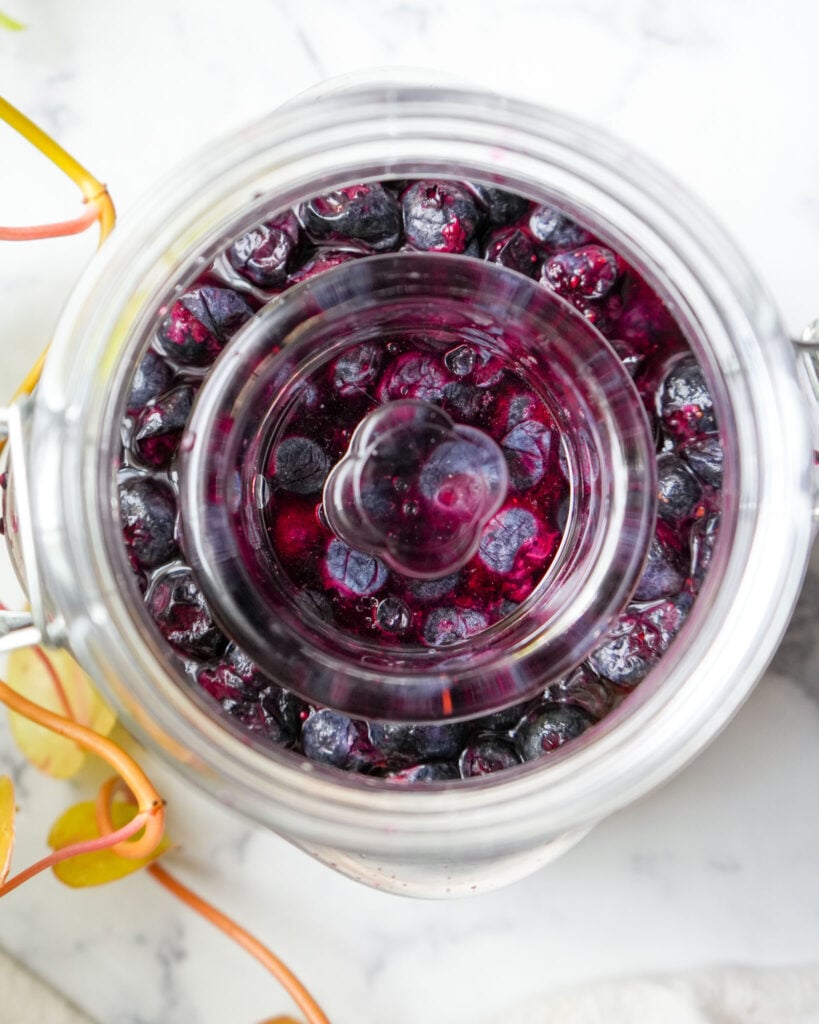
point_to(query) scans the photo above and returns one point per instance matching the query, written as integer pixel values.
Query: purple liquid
(355, 591)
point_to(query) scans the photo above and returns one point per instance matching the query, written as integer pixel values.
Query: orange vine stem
(282, 973)
(103, 842)
(58, 230)
(149, 801)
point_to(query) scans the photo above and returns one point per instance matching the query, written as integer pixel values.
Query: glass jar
(62, 509)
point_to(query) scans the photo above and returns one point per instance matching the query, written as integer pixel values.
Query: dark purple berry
(636, 642)
(587, 273)
(152, 378)
(513, 249)
(234, 677)
(325, 259)
(663, 573)
(300, 466)
(503, 538)
(704, 534)
(200, 323)
(435, 772)
(527, 447)
(359, 213)
(686, 406)
(549, 727)
(332, 738)
(180, 610)
(487, 754)
(704, 455)
(501, 207)
(263, 255)
(355, 370)
(147, 511)
(439, 216)
(159, 427)
(449, 625)
(585, 690)
(556, 229)
(677, 490)
(426, 591)
(413, 375)
(354, 571)
(401, 745)
(465, 401)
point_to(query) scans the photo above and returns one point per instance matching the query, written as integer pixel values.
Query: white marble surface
(720, 866)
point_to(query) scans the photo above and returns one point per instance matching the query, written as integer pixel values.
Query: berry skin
(263, 255)
(413, 375)
(487, 754)
(527, 448)
(147, 511)
(501, 207)
(677, 490)
(548, 727)
(435, 772)
(505, 535)
(586, 273)
(325, 259)
(332, 738)
(355, 370)
(301, 467)
(513, 249)
(159, 427)
(179, 609)
(359, 213)
(556, 229)
(354, 571)
(705, 456)
(585, 690)
(200, 323)
(663, 573)
(152, 378)
(439, 216)
(234, 677)
(402, 745)
(704, 534)
(685, 403)
(449, 625)
(637, 640)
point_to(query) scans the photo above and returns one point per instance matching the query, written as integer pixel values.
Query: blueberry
(393, 615)
(448, 625)
(401, 745)
(465, 400)
(147, 511)
(439, 216)
(511, 248)
(704, 455)
(501, 207)
(461, 360)
(487, 754)
(332, 738)
(663, 572)
(159, 427)
(355, 571)
(181, 612)
(426, 591)
(356, 369)
(685, 403)
(325, 259)
(263, 255)
(200, 323)
(703, 537)
(556, 229)
(549, 727)
(527, 448)
(152, 378)
(359, 213)
(234, 677)
(301, 467)
(585, 690)
(503, 538)
(587, 273)
(413, 375)
(677, 490)
(435, 772)
(636, 641)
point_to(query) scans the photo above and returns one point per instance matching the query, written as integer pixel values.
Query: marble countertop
(720, 865)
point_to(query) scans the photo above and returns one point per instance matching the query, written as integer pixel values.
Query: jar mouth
(262, 384)
(758, 561)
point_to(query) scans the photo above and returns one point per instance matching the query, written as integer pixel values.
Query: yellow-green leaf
(6, 825)
(10, 23)
(78, 824)
(55, 681)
